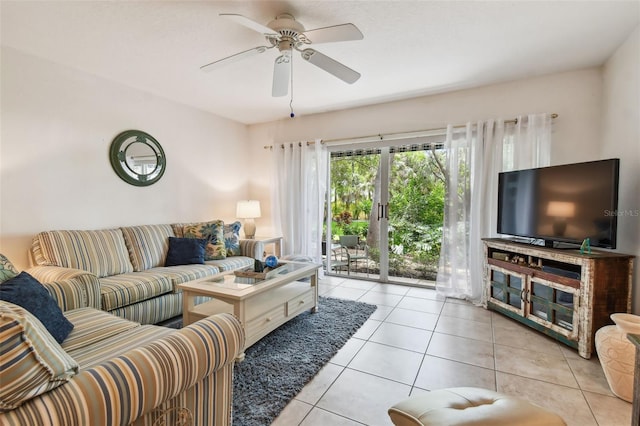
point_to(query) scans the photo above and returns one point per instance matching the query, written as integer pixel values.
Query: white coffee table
(261, 306)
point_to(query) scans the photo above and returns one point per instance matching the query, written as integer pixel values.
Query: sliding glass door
(416, 208)
(353, 228)
(389, 201)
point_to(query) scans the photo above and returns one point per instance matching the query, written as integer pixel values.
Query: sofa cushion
(27, 292)
(232, 238)
(184, 273)
(214, 232)
(185, 251)
(126, 289)
(152, 311)
(117, 344)
(7, 269)
(32, 362)
(231, 263)
(91, 326)
(147, 245)
(103, 253)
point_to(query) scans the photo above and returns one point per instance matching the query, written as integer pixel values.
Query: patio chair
(356, 250)
(340, 258)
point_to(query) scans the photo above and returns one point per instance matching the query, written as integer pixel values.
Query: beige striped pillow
(147, 245)
(178, 229)
(31, 362)
(103, 252)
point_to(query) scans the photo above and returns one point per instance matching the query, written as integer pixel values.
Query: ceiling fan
(288, 35)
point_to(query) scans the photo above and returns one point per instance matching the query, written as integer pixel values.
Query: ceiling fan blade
(343, 32)
(234, 58)
(249, 23)
(331, 66)
(281, 74)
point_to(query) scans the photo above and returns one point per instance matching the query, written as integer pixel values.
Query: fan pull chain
(291, 100)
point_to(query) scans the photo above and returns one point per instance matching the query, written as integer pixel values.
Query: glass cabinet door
(506, 288)
(553, 305)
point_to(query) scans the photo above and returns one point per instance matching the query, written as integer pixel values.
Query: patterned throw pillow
(7, 271)
(232, 239)
(35, 362)
(213, 232)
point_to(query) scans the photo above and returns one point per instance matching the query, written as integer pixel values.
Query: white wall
(621, 139)
(576, 96)
(57, 125)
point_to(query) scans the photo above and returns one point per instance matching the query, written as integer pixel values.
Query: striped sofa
(114, 371)
(122, 270)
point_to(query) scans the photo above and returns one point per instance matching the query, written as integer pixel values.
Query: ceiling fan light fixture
(287, 35)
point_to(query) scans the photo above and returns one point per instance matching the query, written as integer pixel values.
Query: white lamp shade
(248, 209)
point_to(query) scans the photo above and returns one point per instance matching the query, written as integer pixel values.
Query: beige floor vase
(617, 353)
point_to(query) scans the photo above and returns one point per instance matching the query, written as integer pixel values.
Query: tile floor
(417, 341)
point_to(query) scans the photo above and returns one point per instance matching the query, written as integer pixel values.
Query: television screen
(566, 203)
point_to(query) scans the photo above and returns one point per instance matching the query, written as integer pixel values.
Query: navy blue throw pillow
(185, 251)
(26, 291)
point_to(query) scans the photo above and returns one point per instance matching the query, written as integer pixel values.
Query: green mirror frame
(137, 158)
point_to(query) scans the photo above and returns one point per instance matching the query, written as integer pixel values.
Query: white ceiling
(410, 48)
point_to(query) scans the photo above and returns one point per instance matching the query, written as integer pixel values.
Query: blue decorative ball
(271, 261)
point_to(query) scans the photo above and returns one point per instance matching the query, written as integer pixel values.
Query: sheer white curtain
(460, 169)
(298, 196)
(475, 155)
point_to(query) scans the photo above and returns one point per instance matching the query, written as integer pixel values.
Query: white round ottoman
(470, 407)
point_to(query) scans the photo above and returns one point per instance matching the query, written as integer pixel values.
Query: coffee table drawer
(265, 320)
(300, 302)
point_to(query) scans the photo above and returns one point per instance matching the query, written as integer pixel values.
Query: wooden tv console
(560, 292)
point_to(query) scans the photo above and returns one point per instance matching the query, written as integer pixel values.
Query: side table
(276, 241)
(635, 414)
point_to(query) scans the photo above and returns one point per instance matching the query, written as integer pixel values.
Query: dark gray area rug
(278, 366)
(175, 322)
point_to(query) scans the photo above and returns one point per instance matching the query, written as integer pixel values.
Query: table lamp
(248, 210)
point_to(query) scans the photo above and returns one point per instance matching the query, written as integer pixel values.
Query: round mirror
(137, 158)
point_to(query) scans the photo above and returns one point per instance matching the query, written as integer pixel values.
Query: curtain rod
(381, 136)
(282, 145)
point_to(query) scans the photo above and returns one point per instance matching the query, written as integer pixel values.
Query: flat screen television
(565, 203)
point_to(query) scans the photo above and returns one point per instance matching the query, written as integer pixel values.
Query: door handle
(383, 211)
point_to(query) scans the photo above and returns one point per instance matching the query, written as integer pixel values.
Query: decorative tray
(268, 273)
